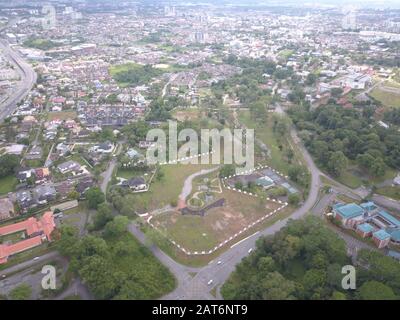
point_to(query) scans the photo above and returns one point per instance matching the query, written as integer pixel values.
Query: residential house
(84, 185)
(25, 199)
(137, 184)
(24, 174)
(42, 174)
(44, 193)
(104, 147)
(69, 166)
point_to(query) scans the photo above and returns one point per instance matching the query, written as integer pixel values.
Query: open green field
(265, 133)
(7, 184)
(391, 192)
(42, 44)
(354, 179)
(166, 190)
(62, 115)
(130, 173)
(388, 98)
(202, 260)
(197, 233)
(133, 74)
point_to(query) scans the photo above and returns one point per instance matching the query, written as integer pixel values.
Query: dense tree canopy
(115, 265)
(304, 261)
(8, 163)
(94, 197)
(335, 135)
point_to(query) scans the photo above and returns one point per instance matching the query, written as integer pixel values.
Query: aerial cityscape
(224, 150)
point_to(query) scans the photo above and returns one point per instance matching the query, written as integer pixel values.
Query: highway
(28, 79)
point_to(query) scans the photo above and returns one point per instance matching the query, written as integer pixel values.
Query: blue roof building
(365, 228)
(381, 235)
(394, 234)
(347, 211)
(369, 206)
(389, 218)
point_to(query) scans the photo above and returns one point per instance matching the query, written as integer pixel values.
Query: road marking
(244, 239)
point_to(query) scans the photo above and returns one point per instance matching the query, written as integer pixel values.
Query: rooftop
(381, 234)
(365, 227)
(388, 217)
(349, 210)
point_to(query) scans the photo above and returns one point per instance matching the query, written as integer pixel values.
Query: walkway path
(187, 185)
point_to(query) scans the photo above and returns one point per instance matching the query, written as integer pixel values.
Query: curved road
(196, 287)
(28, 79)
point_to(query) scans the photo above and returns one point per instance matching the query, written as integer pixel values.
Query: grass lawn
(133, 74)
(350, 180)
(353, 178)
(62, 115)
(196, 233)
(163, 192)
(202, 260)
(388, 99)
(130, 173)
(7, 184)
(266, 135)
(391, 192)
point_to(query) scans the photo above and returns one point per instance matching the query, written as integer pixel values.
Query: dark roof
(136, 181)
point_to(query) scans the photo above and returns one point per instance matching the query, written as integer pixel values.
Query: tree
(68, 245)
(374, 290)
(313, 280)
(8, 163)
(227, 170)
(294, 199)
(21, 292)
(337, 295)
(97, 272)
(294, 172)
(337, 163)
(74, 195)
(311, 79)
(102, 216)
(116, 227)
(94, 197)
(276, 287)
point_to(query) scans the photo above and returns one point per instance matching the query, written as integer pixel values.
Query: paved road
(28, 78)
(30, 263)
(77, 288)
(187, 185)
(22, 270)
(107, 175)
(196, 287)
(386, 202)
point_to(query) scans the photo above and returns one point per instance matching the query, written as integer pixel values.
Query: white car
(219, 262)
(36, 258)
(250, 250)
(210, 282)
